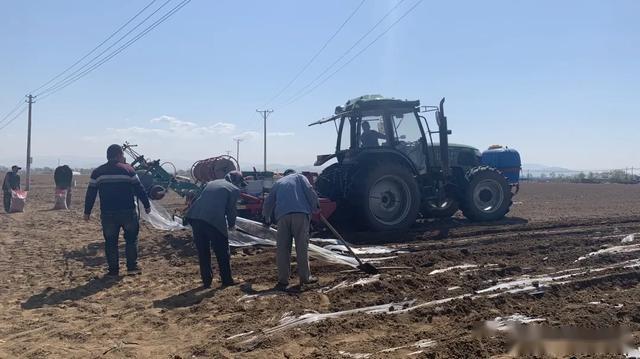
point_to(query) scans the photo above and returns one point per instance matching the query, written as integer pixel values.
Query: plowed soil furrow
(452, 277)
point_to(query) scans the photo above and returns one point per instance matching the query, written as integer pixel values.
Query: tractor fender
(376, 155)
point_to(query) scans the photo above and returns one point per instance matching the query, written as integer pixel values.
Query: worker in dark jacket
(11, 183)
(117, 184)
(369, 137)
(210, 215)
(291, 200)
(63, 177)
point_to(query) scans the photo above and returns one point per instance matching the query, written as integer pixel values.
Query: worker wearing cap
(11, 183)
(291, 201)
(118, 185)
(211, 215)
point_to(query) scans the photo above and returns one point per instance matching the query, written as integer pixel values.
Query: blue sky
(558, 80)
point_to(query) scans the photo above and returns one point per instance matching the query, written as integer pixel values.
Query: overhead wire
(20, 103)
(315, 56)
(14, 118)
(78, 75)
(97, 47)
(357, 54)
(97, 57)
(344, 54)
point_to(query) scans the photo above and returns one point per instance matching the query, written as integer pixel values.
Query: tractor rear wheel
(388, 197)
(328, 183)
(488, 195)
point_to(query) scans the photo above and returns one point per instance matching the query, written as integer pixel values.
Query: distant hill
(538, 168)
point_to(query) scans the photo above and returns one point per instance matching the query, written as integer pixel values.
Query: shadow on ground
(51, 297)
(185, 299)
(89, 255)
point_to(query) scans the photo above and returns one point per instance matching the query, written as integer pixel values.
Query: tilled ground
(427, 302)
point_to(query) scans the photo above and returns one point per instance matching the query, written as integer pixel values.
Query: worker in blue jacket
(291, 201)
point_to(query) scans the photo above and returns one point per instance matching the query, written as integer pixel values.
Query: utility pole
(30, 102)
(265, 114)
(238, 140)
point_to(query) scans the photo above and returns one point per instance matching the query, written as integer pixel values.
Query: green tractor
(389, 171)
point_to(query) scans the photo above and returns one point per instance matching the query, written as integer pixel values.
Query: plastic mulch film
(161, 219)
(248, 233)
(269, 234)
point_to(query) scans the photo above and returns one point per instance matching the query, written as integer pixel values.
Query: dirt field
(452, 278)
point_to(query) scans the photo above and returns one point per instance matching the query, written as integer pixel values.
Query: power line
(14, 118)
(356, 55)
(97, 47)
(315, 56)
(78, 74)
(345, 53)
(97, 57)
(20, 103)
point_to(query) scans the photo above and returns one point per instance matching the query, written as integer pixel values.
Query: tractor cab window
(408, 137)
(372, 133)
(406, 128)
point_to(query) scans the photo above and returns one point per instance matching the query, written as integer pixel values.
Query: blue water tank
(504, 159)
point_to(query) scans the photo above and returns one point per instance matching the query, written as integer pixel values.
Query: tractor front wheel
(488, 195)
(388, 197)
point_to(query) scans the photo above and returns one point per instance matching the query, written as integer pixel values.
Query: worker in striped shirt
(118, 185)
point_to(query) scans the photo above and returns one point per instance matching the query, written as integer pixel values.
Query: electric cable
(76, 75)
(97, 47)
(315, 56)
(20, 103)
(345, 53)
(14, 118)
(356, 55)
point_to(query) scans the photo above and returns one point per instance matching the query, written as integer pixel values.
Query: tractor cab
(377, 125)
(389, 169)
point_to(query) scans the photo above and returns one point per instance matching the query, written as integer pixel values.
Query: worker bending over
(210, 215)
(292, 200)
(63, 178)
(117, 184)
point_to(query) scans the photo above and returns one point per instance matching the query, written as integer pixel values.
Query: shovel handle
(335, 233)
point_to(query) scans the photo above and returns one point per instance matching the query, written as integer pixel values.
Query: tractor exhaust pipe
(443, 132)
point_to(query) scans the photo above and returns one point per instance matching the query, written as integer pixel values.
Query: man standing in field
(117, 184)
(292, 200)
(210, 215)
(11, 183)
